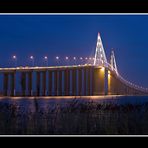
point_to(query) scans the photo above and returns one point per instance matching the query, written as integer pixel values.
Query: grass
(75, 118)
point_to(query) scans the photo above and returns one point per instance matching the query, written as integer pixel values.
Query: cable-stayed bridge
(99, 78)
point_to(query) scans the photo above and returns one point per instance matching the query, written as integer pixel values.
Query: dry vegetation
(75, 118)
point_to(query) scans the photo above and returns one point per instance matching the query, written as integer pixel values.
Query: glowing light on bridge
(109, 76)
(100, 53)
(31, 57)
(109, 82)
(45, 57)
(15, 59)
(14, 56)
(66, 58)
(102, 69)
(74, 58)
(57, 58)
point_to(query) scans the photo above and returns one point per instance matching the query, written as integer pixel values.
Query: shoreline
(70, 97)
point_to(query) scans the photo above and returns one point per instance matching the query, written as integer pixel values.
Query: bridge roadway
(76, 80)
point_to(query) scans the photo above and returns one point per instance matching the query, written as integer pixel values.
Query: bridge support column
(5, 84)
(23, 83)
(50, 83)
(74, 82)
(79, 82)
(111, 84)
(99, 76)
(96, 81)
(55, 82)
(121, 88)
(12, 84)
(30, 84)
(117, 86)
(89, 81)
(60, 83)
(84, 81)
(66, 82)
(38, 83)
(106, 81)
(44, 83)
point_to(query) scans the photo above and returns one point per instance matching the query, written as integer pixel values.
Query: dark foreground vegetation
(74, 118)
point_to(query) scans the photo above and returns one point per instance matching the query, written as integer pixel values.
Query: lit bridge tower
(113, 62)
(100, 57)
(100, 69)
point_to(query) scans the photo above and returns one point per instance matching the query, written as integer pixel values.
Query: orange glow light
(102, 69)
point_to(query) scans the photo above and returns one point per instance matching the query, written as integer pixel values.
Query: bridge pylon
(100, 57)
(113, 62)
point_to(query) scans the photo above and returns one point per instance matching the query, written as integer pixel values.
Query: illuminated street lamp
(15, 59)
(74, 58)
(32, 59)
(81, 59)
(89, 60)
(46, 60)
(57, 59)
(67, 58)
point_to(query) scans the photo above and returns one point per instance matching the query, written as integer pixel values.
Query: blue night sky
(71, 36)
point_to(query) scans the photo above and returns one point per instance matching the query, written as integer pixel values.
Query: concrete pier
(84, 81)
(30, 91)
(44, 91)
(5, 84)
(38, 83)
(12, 84)
(60, 86)
(79, 82)
(106, 82)
(55, 83)
(50, 83)
(89, 82)
(74, 82)
(23, 83)
(66, 82)
(99, 81)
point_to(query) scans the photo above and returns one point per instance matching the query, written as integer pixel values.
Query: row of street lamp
(81, 58)
(14, 57)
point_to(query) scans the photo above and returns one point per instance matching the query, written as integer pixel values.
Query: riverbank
(65, 97)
